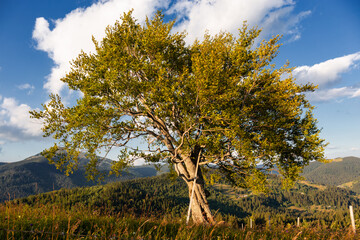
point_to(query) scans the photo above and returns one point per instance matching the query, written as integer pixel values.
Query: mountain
(35, 175)
(342, 172)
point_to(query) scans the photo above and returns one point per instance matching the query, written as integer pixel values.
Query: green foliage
(221, 95)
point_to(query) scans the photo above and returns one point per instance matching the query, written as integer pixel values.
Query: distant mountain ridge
(35, 175)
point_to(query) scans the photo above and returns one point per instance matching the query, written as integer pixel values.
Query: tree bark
(200, 210)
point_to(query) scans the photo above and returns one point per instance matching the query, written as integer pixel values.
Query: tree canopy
(219, 101)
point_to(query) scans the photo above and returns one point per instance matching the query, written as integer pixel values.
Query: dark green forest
(161, 197)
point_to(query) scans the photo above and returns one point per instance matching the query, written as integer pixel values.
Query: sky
(38, 39)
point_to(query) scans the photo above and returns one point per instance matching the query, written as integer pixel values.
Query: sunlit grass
(20, 221)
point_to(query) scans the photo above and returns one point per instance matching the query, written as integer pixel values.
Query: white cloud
(73, 33)
(333, 93)
(15, 121)
(26, 86)
(283, 21)
(325, 75)
(327, 72)
(275, 17)
(356, 93)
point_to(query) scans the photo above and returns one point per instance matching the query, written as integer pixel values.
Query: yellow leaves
(257, 181)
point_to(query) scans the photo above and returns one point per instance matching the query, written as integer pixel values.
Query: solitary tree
(217, 103)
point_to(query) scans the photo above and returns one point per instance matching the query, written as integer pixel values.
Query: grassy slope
(53, 222)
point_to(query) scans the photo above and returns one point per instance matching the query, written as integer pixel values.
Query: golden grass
(337, 160)
(348, 184)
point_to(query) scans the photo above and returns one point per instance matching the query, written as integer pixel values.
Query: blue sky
(321, 39)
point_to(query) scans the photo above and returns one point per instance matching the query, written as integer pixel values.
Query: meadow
(137, 209)
(52, 222)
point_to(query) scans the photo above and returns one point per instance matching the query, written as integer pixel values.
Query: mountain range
(35, 175)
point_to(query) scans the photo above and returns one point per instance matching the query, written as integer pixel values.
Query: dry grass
(52, 222)
(336, 160)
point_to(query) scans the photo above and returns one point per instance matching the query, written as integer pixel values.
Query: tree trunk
(200, 210)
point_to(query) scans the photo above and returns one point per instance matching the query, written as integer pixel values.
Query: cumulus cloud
(63, 39)
(74, 32)
(274, 17)
(328, 72)
(30, 88)
(15, 121)
(323, 95)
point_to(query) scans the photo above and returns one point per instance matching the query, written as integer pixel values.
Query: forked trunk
(200, 210)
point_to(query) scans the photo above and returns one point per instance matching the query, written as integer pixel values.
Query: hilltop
(341, 172)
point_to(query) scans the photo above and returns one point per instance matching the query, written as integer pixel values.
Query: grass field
(20, 221)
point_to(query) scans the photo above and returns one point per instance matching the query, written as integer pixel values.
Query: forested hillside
(343, 172)
(35, 175)
(159, 196)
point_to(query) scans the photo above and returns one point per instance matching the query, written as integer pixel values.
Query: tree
(218, 103)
